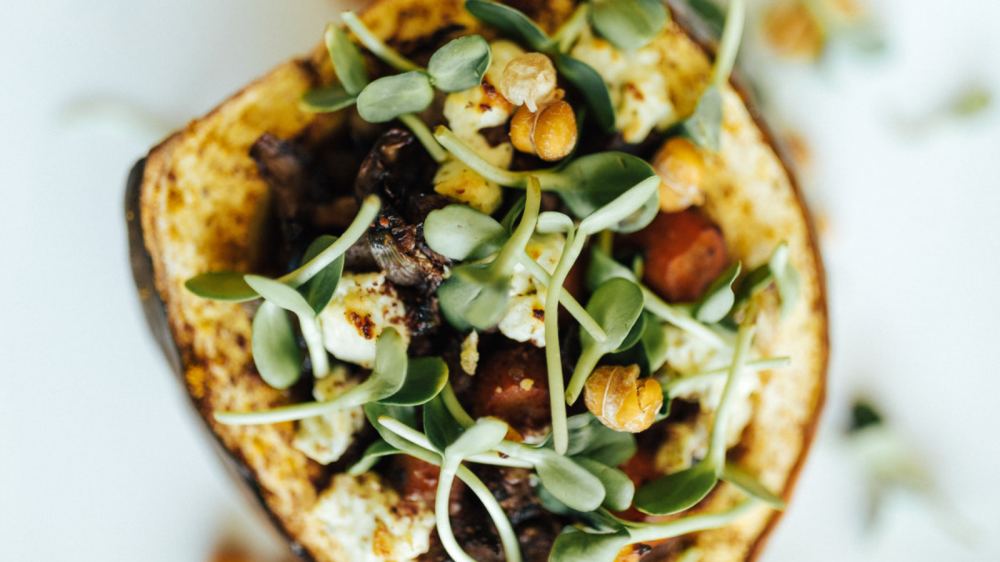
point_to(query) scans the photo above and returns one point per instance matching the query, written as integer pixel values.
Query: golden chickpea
(681, 168)
(620, 401)
(529, 80)
(549, 133)
(555, 132)
(791, 29)
(521, 128)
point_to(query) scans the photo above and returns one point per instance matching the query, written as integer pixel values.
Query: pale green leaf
(628, 24)
(462, 233)
(391, 96)
(347, 61)
(676, 492)
(275, 349)
(221, 286)
(460, 64)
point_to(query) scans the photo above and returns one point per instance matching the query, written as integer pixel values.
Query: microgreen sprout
(476, 295)
(307, 302)
(607, 216)
(581, 485)
(373, 453)
(585, 184)
(391, 96)
(777, 270)
(616, 305)
(654, 341)
(603, 267)
(462, 233)
(289, 299)
(704, 126)
(681, 490)
(276, 353)
(572, 28)
(679, 386)
(457, 66)
(480, 438)
(719, 298)
(628, 24)
(346, 59)
(230, 286)
(477, 439)
(729, 44)
(381, 418)
(378, 47)
(358, 227)
(394, 380)
(350, 70)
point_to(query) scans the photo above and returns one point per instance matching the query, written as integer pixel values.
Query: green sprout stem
(681, 319)
(366, 214)
(441, 504)
(508, 538)
(571, 30)
(717, 445)
(455, 407)
(606, 241)
(424, 135)
(511, 546)
(729, 45)
(678, 386)
(417, 438)
(511, 252)
(515, 452)
(584, 366)
(553, 359)
(477, 163)
(314, 343)
(350, 398)
(572, 306)
(690, 524)
(384, 52)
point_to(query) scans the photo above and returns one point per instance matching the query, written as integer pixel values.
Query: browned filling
(315, 185)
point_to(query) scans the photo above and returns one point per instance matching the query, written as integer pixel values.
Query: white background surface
(100, 460)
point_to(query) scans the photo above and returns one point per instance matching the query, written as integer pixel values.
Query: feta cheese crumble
(325, 438)
(470, 353)
(688, 355)
(636, 82)
(363, 305)
(368, 519)
(467, 112)
(524, 318)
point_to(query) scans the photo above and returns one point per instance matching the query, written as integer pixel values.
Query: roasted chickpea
(681, 168)
(529, 80)
(792, 30)
(622, 402)
(555, 132)
(549, 133)
(521, 128)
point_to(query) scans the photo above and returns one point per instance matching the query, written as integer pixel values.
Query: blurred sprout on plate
(895, 470)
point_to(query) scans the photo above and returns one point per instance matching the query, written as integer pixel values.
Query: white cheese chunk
(637, 83)
(325, 438)
(371, 523)
(467, 112)
(363, 305)
(688, 355)
(524, 317)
